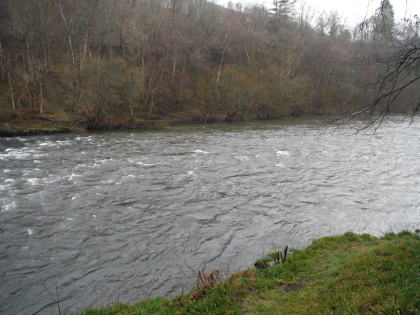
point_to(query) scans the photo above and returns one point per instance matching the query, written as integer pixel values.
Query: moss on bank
(348, 274)
(26, 123)
(12, 130)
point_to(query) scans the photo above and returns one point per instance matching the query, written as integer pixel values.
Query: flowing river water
(94, 219)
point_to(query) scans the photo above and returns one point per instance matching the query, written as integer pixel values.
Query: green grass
(348, 274)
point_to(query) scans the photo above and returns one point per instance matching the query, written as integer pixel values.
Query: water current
(94, 219)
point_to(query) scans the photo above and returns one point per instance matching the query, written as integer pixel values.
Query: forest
(112, 64)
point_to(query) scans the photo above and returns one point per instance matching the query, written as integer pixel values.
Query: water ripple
(119, 215)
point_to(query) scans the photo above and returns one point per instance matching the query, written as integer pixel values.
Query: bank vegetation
(348, 274)
(130, 63)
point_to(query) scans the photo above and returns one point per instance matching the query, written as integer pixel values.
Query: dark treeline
(124, 61)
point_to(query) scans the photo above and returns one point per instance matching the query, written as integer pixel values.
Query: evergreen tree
(283, 7)
(384, 21)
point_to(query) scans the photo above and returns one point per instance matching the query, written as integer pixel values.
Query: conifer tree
(384, 22)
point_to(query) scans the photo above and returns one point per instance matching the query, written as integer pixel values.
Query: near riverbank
(348, 274)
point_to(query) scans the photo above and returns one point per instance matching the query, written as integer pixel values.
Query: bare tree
(400, 71)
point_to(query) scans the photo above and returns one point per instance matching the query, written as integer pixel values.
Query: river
(94, 219)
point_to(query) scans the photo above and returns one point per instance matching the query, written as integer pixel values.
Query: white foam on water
(73, 176)
(39, 155)
(29, 231)
(64, 142)
(69, 219)
(280, 165)
(242, 158)
(108, 181)
(6, 170)
(101, 162)
(147, 164)
(49, 144)
(280, 153)
(51, 179)
(201, 152)
(9, 207)
(14, 154)
(33, 181)
(191, 173)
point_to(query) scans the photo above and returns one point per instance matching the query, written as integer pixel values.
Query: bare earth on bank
(348, 274)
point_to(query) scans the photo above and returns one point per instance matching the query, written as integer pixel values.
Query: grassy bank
(348, 274)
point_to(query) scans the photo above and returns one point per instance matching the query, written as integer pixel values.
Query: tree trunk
(12, 95)
(223, 56)
(131, 112)
(41, 99)
(68, 31)
(1, 61)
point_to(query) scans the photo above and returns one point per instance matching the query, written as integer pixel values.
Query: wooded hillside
(109, 62)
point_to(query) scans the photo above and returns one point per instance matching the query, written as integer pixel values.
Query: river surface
(94, 219)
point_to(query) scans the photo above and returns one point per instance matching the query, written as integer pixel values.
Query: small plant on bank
(204, 282)
(272, 259)
(346, 274)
